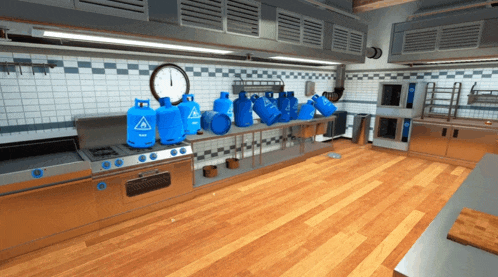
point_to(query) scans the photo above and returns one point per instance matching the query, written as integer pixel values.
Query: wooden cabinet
(453, 141)
(39, 213)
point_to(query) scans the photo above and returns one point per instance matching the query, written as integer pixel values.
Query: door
(388, 128)
(470, 143)
(429, 138)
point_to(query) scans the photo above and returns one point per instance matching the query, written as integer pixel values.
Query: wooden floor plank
(354, 216)
(377, 256)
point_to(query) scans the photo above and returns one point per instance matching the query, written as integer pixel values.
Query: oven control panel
(141, 158)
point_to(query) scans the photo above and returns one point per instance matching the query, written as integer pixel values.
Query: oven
(133, 188)
(404, 97)
(392, 132)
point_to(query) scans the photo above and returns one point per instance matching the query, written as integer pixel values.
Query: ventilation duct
(339, 85)
(462, 37)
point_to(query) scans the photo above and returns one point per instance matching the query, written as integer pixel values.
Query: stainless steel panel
(471, 144)
(397, 145)
(429, 138)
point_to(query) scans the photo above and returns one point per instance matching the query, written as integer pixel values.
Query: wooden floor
(356, 216)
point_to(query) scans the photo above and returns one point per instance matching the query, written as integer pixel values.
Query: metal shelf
(452, 103)
(476, 97)
(258, 86)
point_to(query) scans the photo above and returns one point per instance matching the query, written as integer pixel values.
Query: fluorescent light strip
(92, 38)
(302, 60)
(463, 61)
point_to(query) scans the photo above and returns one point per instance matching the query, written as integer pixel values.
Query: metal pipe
(253, 160)
(235, 147)
(193, 164)
(242, 147)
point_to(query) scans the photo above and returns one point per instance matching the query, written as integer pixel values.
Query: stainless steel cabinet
(471, 143)
(429, 138)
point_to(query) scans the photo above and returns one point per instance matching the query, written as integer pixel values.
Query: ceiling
(369, 5)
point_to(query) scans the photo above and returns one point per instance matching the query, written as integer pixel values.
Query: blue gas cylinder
(307, 111)
(141, 125)
(224, 105)
(269, 95)
(263, 107)
(218, 123)
(323, 105)
(242, 108)
(293, 105)
(169, 122)
(191, 114)
(284, 107)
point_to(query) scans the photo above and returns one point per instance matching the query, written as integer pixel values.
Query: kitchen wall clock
(169, 80)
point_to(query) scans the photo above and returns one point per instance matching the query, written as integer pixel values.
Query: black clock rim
(153, 76)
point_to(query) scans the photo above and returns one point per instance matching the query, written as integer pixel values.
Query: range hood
(455, 34)
(282, 31)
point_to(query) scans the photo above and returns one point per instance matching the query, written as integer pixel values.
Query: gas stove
(121, 156)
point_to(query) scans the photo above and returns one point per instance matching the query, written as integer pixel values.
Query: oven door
(392, 96)
(388, 128)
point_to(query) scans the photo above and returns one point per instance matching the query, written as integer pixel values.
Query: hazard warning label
(143, 125)
(194, 113)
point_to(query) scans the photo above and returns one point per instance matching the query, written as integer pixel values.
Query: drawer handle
(455, 133)
(444, 132)
(148, 173)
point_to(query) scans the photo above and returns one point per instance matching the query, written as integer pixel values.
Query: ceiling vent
(202, 14)
(347, 40)
(288, 27)
(420, 40)
(243, 17)
(313, 32)
(460, 36)
(135, 9)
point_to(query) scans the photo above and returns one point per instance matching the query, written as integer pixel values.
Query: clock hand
(170, 78)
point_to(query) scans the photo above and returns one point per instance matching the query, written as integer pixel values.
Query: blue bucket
(323, 105)
(215, 122)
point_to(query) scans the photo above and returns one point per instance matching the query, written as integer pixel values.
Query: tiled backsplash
(33, 103)
(361, 90)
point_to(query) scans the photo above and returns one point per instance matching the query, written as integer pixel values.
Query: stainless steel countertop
(41, 161)
(460, 122)
(433, 254)
(236, 131)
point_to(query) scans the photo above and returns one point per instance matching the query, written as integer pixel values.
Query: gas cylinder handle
(186, 96)
(314, 97)
(254, 97)
(138, 101)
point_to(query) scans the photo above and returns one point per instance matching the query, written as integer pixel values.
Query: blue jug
(293, 105)
(323, 105)
(169, 122)
(263, 107)
(224, 105)
(191, 114)
(242, 108)
(215, 122)
(307, 111)
(141, 125)
(269, 95)
(284, 107)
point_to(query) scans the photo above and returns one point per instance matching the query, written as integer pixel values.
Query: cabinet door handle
(444, 132)
(455, 133)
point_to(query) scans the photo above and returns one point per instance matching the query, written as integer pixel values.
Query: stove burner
(103, 152)
(137, 150)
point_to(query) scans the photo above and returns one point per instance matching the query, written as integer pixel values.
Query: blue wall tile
(71, 70)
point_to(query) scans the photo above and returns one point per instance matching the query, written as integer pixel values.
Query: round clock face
(169, 80)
